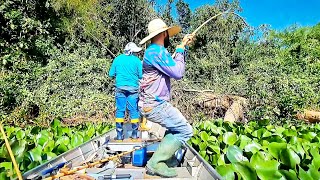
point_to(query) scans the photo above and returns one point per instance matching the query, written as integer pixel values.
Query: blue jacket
(127, 69)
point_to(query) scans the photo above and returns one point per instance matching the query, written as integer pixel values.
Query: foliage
(213, 50)
(34, 145)
(75, 85)
(109, 23)
(26, 42)
(184, 15)
(54, 58)
(78, 57)
(259, 149)
(51, 51)
(84, 19)
(166, 12)
(27, 37)
(128, 22)
(299, 66)
(278, 82)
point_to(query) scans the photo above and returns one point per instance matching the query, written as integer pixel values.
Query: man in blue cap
(127, 69)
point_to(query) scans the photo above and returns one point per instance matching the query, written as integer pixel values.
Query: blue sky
(278, 13)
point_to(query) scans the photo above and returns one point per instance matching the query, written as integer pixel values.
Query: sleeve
(172, 67)
(139, 68)
(112, 71)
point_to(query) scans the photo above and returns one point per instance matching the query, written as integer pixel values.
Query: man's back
(158, 68)
(127, 69)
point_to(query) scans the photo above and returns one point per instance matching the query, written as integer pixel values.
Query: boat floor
(192, 167)
(139, 173)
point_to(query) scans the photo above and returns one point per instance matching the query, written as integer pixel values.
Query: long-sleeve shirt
(158, 68)
(128, 70)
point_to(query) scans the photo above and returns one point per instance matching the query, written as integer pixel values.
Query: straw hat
(157, 26)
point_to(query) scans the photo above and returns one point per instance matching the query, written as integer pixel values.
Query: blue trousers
(171, 118)
(127, 99)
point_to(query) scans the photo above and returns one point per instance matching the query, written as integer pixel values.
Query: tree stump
(232, 108)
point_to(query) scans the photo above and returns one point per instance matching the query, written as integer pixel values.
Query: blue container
(139, 157)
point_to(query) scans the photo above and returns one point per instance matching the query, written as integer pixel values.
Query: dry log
(309, 116)
(235, 112)
(212, 101)
(233, 107)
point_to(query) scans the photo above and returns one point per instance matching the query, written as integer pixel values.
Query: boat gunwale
(206, 165)
(30, 172)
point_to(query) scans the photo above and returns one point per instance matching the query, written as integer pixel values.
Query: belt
(147, 109)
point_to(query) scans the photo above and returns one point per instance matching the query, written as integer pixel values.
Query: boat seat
(129, 145)
(156, 131)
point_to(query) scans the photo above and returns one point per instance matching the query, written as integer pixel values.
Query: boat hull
(192, 166)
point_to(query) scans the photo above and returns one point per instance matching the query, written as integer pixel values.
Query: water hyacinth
(258, 150)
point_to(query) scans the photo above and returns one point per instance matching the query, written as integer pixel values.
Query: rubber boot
(135, 127)
(119, 129)
(156, 165)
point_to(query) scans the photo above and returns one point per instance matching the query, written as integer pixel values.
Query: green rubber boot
(156, 165)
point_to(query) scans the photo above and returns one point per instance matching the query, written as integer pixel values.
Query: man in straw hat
(127, 68)
(158, 68)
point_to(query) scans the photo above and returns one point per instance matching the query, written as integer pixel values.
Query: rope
(16, 167)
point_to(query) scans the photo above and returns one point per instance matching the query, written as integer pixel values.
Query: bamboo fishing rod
(219, 14)
(70, 172)
(210, 19)
(16, 167)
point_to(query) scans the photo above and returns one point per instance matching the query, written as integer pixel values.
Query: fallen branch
(309, 116)
(194, 90)
(232, 108)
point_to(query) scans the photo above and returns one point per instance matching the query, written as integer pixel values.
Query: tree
(167, 13)
(184, 15)
(29, 32)
(26, 34)
(129, 21)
